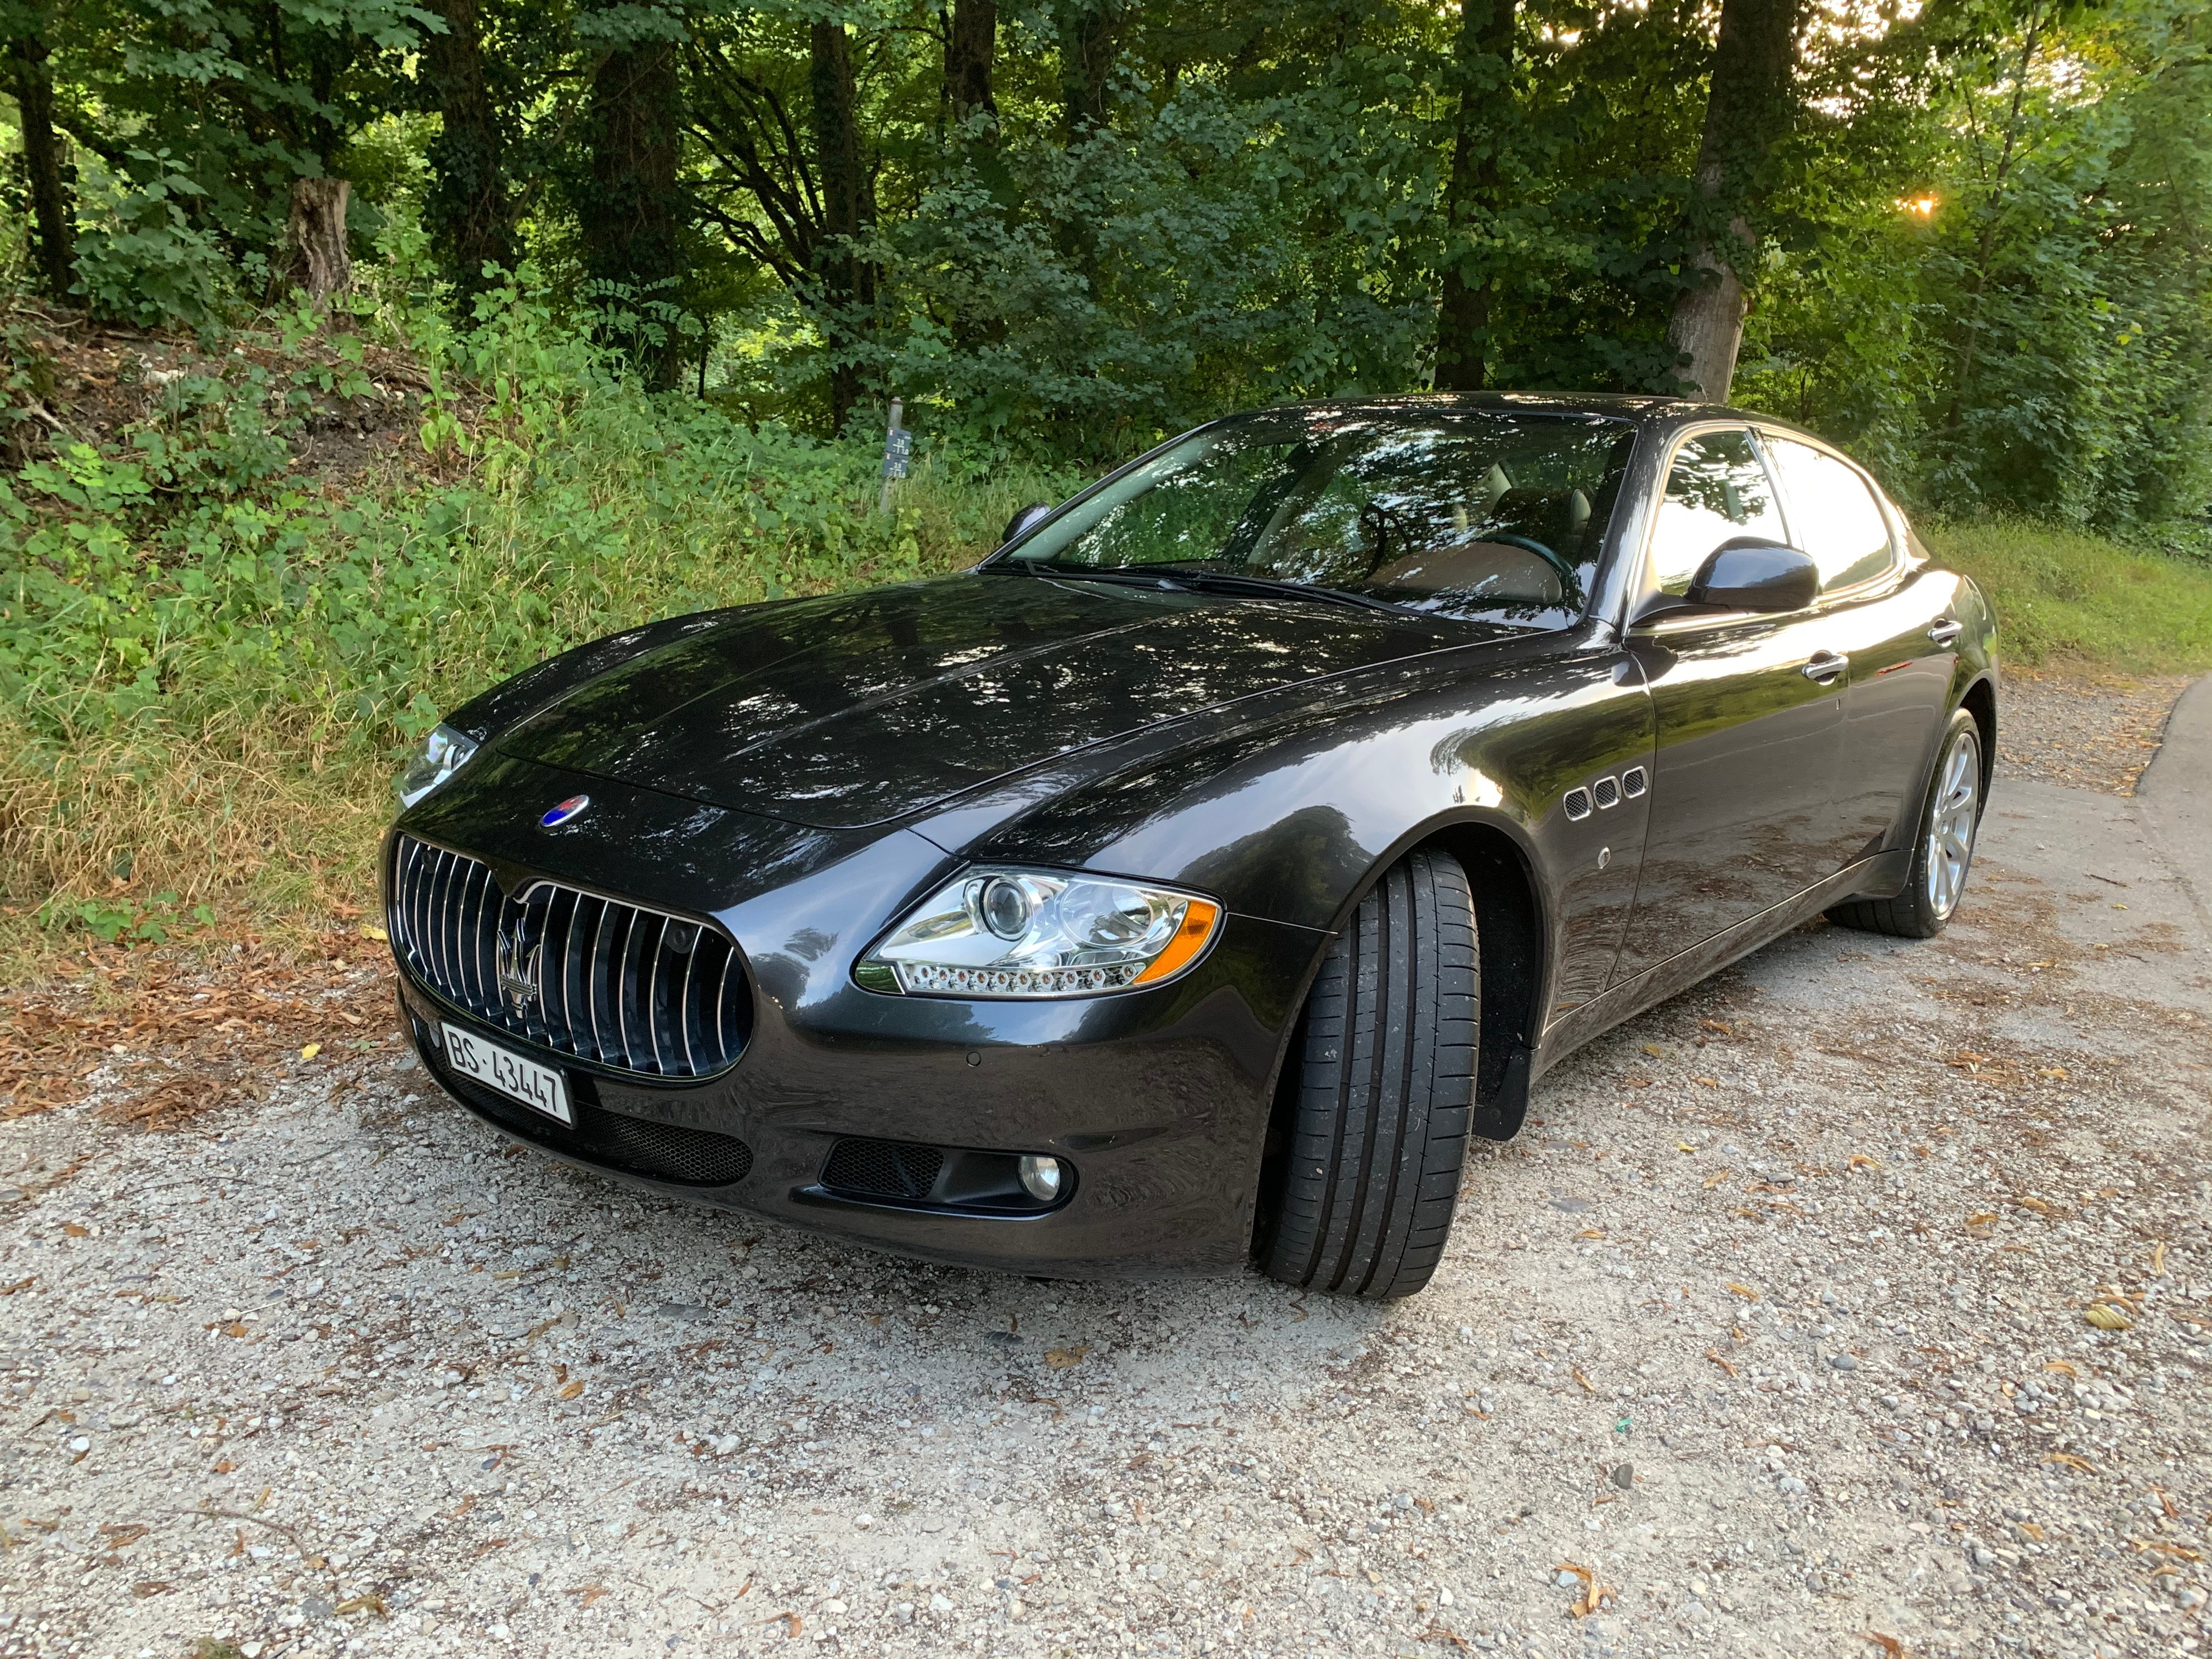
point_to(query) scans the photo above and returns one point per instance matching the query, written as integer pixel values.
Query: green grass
(2068, 598)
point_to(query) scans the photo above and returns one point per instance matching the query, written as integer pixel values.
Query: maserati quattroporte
(1185, 882)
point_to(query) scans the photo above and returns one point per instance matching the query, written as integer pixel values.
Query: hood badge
(567, 810)
(515, 960)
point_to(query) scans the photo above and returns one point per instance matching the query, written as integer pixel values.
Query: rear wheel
(1386, 1080)
(1943, 845)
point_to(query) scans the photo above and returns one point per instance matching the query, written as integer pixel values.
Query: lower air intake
(882, 1168)
(634, 1145)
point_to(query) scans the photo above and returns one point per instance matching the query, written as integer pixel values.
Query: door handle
(1826, 667)
(1946, 631)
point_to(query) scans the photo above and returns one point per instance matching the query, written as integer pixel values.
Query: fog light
(1040, 1178)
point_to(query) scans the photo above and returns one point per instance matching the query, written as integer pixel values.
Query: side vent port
(1634, 782)
(1608, 792)
(1578, 804)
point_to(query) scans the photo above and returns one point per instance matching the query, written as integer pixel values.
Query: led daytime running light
(1037, 933)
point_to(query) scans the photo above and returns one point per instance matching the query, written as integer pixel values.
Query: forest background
(357, 352)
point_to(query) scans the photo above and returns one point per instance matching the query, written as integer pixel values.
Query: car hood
(858, 708)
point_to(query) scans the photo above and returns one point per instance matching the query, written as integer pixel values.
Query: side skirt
(1885, 872)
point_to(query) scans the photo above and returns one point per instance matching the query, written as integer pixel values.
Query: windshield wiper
(1221, 581)
(1184, 579)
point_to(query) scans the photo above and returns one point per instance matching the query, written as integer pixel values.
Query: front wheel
(1944, 846)
(1386, 1080)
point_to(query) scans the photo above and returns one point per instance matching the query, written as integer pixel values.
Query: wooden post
(897, 445)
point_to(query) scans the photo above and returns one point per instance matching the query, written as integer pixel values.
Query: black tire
(1943, 844)
(1386, 1081)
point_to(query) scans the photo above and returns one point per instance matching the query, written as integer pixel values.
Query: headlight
(1040, 934)
(444, 752)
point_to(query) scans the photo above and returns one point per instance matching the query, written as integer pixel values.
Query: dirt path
(1771, 1335)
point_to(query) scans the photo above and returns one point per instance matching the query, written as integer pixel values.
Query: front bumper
(1159, 1100)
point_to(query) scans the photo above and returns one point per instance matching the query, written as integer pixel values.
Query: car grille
(636, 1146)
(883, 1168)
(638, 990)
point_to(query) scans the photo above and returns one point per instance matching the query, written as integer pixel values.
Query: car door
(1888, 619)
(1749, 714)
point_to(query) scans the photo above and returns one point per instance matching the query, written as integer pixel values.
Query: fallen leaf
(1684, 1146)
(2060, 1365)
(372, 1602)
(1591, 1232)
(146, 1587)
(2105, 1317)
(1060, 1358)
(2072, 1462)
(1714, 1180)
(2032, 1530)
(1707, 1082)
(370, 930)
(1713, 1354)
(224, 1467)
(1744, 1291)
(792, 1625)
(1888, 1644)
(2158, 1260)
(310, 1051)
(1655, 1051)
(1861, 1161)
(591, 1593)
(1588, 1387)
(1982, 1219)
(573, 1389)
(1594, 1595)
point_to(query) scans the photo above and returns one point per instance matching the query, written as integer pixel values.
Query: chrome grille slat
(608, 988)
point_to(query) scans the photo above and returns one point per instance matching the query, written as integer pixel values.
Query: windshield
(1490, 513)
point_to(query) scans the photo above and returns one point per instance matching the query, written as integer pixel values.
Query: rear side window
(1716, 493)
(1835, 515)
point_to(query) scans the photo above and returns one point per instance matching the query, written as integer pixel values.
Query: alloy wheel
(1952, 819)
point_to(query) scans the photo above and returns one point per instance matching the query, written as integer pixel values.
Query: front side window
(1837, 520)
(1718, 492)
(1487, 513)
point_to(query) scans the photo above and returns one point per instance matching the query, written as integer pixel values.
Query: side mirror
(1752, 575)
(1023, 519)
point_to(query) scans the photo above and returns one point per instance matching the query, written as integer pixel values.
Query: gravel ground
(2084, 730)
(1771, 1335)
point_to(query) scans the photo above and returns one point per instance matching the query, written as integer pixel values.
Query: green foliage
(141, 258)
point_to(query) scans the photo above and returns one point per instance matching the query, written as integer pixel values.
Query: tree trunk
(848, 282)
(1483, 61)
(633, 224)
(1088, 29)
(316, 232)
(42, 159)
(471, 219)
(1748, 109)
(971, 44)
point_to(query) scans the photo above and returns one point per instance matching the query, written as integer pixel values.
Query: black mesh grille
(883, 1168)
(1607, 791)
(635, 989)
(1577, 803)
(1633, 782)
(636, 1146)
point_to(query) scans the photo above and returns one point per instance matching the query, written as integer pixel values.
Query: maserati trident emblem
(567, 810)
(515, 959)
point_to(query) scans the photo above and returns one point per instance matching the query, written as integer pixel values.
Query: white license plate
(539, 1087)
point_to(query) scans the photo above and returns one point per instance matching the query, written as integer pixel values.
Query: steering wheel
(1375, 524)
(1506, 538)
